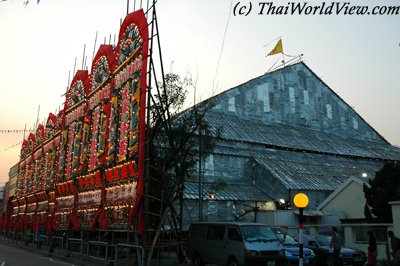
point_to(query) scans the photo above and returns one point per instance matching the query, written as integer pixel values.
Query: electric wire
(223, 43)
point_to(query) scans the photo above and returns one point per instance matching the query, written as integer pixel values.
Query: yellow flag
(277, 49)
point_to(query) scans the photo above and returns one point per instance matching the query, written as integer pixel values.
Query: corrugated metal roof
(277, 74)
(313, 171)
(306, 171)
(225, 191)
(255, 131)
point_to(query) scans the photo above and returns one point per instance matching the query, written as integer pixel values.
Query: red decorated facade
(85, 167)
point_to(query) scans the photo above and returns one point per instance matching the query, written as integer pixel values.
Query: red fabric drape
(36, 223)
(1, 223)
(98, 180)
(132, 171)
(74, 221)
(96, 218)
(18, 222)
(54, 223)
(140, 221)
(101, 219)
(49, 223)
(25, 222)
(124, 171)
(134, 210)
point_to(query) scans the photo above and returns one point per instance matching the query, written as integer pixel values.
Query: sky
(356, 56)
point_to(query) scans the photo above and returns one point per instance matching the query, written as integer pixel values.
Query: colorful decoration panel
(31, 208)
(62, 156)
(31, 143)
(125, 112)
(90, 181)
(42, 206)
(94, 139)
(73, 126)
(121, 194)
(49, 173)
(24, 149)
(62, 217)
(38, 181)
(65, 202)
(101, 72)
(86, 216)
(15, 210)
(89, 198)
(118, 214)
(21, 179)
(21, 209)
(88, 161)
(76, 94)
(40, 136)
(29, 175)
(65, 188)
(51, 126)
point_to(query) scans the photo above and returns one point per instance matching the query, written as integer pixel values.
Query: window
(234, 234)
(292, 100)
(291, 94)
(263, 96)
(380, 233)
(231, 105)
(197, 231)
(306, 97)
(209, 164)
(253, 232)
(355, 123)
(215, 232)
(329, 111)
(312, 244)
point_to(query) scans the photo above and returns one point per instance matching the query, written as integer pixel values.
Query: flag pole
(273, 65)
(283, 60)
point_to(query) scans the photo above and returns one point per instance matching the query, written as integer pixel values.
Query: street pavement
(14, 253)
(17, 254)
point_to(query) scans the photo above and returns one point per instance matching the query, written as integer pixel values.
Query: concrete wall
(350, 240)
(12, 177)
(396, 217)
(351, 201)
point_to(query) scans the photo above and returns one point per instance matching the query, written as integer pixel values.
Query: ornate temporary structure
(85, 168)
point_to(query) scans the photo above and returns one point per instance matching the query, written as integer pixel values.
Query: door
(233, 245)
(215, 243)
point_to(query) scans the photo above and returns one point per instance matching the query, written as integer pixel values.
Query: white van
(234, 243)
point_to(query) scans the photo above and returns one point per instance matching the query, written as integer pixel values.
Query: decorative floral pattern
(130, 42)
(87, 155)
(76, 93)
(101, 72)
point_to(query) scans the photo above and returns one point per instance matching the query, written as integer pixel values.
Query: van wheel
(232, 262)
(197, 260)
(330, 261)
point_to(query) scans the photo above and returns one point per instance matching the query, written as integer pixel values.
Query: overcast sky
(357, 56)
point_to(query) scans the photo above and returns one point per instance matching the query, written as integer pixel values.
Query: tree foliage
(177, 140)
(385, 187)
(175, 134)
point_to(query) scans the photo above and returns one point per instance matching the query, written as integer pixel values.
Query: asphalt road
(11, 255)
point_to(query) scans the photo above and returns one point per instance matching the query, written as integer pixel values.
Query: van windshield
(253, 233)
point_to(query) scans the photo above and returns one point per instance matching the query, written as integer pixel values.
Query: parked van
(234, 243)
